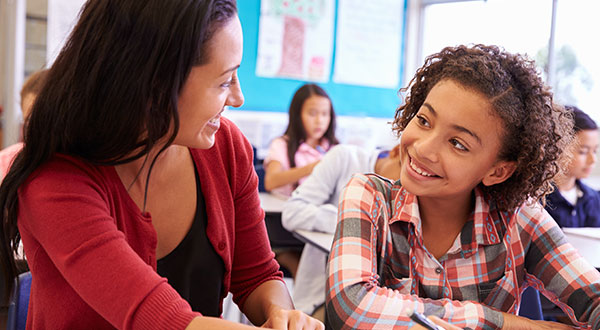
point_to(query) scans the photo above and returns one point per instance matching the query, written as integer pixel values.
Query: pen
(421, 320)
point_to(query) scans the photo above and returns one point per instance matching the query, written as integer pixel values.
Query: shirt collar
(482, 228)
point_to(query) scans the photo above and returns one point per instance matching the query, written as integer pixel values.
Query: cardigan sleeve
(71, 232)
(253, 261)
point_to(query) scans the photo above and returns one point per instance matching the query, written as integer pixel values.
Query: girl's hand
(439, 322)
(282, 319)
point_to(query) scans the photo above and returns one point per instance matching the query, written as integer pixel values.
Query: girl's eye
(422, 121)
(456, 144)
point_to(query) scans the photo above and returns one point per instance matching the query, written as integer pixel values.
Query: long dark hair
(112, 92)
(295, 132)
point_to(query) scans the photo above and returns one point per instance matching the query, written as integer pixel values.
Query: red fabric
(92, 254)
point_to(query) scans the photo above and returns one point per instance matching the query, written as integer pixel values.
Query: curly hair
(536, 131)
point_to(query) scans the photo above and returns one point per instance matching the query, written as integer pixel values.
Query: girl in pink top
(310, 133)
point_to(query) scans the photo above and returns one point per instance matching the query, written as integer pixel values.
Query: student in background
(31, 88)
(573, 203)
(461, 234)
(137, 203)
(310, 133)
(313, 206)
(291, 157)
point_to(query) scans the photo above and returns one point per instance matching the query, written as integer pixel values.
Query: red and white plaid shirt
(378, 266)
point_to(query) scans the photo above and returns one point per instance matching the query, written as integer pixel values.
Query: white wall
(260, 127)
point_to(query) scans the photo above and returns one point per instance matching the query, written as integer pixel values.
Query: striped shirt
(378, 266)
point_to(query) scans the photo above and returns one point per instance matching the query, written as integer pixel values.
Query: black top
(193, 268)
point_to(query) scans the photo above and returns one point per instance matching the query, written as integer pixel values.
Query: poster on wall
(295, 39)
(62, 16)
(369, 35)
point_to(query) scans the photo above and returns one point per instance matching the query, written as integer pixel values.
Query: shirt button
(222, 246)
(438, 270)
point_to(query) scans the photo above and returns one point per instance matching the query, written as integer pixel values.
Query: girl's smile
(419, 171)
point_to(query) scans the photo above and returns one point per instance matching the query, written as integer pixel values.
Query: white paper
(62, 16)
(369, 35)
(295, 39)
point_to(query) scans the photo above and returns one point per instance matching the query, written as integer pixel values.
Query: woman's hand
(439, 322)
(283, 319)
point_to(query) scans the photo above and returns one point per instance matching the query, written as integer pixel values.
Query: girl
(573, 203)
(310, 133)
(461, 234)
(123, 149)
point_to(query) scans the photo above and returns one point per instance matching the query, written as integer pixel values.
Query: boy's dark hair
(295, 132)
(112, 92)
(581, 119)
(535, 131)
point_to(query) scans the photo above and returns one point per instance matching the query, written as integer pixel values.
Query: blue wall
(274, 94)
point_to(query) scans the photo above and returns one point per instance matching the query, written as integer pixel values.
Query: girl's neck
(445, 212)
(441, 222)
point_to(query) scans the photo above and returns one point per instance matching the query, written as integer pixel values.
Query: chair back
(531, 306)
(19, 303)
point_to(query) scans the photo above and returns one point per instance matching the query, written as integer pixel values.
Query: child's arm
(276, 165)
(276, 176)
(313, 205)
(355, 296)
(559, 272)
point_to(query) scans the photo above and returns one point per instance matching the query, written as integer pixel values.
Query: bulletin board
(275, 94)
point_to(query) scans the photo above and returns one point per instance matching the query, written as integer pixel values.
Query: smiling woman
(109, 195)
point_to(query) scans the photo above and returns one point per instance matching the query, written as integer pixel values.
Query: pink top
(7, 155)
(304, 156)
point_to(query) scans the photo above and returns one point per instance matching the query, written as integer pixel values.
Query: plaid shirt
(378, 266)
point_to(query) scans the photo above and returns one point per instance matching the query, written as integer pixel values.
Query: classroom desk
(271, 203)
(587, 241)
(322, 241)
(279, 237)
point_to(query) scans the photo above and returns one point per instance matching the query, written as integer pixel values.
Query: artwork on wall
(295, 39)
(368, 43)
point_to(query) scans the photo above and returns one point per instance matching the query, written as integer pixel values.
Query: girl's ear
(499, 173)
